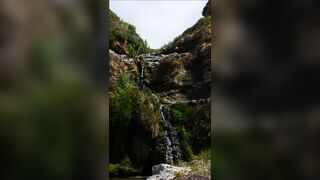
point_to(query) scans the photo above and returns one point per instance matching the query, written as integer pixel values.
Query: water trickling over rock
(141, 74)
(173, 152)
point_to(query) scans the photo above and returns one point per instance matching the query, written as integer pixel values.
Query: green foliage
(124, 32)
(185, 143)
(132, 52)
(127, 102)
(124, 80)
(182, 113)
(202, 23)
(202, 167)
(187, 151)
(123, 101)
(184, 134)
(177, 114)
(125, 167)
(179, 174)
(184, 116)
(203, 155)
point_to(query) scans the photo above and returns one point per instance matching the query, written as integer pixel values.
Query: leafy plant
(125, 167)
(124, 32)
(183, 113)
(123, 101)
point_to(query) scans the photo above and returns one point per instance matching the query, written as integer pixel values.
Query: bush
(132, 52)
(187, 151)
(125, 167)
(179, 174)
(127, 102)
(124, 32)
(203, 155)
(183, 113)
(186, 148)
(123, 101)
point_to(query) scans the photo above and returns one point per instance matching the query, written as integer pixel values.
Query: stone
(166, 172)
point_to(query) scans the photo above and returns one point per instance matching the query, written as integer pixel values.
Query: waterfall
(141, 75)
(173, 152)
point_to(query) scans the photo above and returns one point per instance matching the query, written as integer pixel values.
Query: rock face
(166, 172)
(179, 76)
(118, 65)
(187, 68)
(123, 37)
(178, 79)
(207, 9)
(173, 152)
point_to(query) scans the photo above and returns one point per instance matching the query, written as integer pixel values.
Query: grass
(125, 167)
(127, 102)
(200, 165)
(122, 31)
(202, 23)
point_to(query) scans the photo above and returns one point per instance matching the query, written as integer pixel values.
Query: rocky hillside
(159, 102)
(123, 38)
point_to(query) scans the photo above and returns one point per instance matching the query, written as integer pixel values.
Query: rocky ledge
(166, 172)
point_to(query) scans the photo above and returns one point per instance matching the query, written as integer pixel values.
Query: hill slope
(123, 38)
(160, 103)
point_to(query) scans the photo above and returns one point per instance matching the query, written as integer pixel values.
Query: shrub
(203, 155)
(124, 32)
(127, 102)
(183, 133)
(125, 167)
(132, 52)
(183, 113)
(123, 101)
(201, 163)
(179, 174)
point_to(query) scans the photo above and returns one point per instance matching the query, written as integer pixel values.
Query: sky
(159, 22)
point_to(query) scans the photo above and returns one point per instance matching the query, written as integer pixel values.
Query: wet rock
(166, 172)
(173, 152)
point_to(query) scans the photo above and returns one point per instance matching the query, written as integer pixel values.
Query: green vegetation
(192, 127)
(125, 167)
(183, 115)
(183, 112)
(201, 164)
(179, 174)
(202, 23)
(128, 102)
(204, 155)
(123, 101)
(126, 35)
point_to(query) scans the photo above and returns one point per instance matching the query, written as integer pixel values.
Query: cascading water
(141, 75)
(173, 152)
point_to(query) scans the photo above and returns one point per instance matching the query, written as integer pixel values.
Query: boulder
(166, 172)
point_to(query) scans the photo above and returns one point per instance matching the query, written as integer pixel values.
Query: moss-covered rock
(135, 127)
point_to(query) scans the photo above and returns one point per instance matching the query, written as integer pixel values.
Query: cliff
(159, 102)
